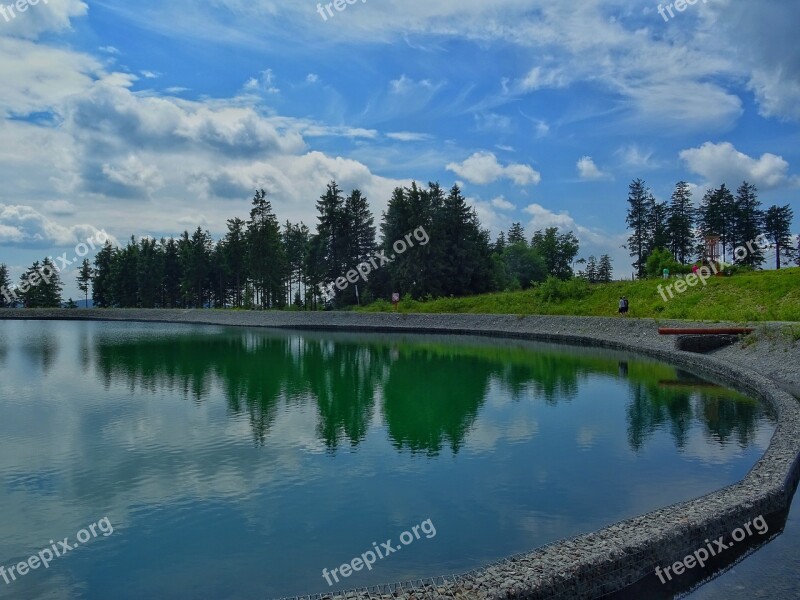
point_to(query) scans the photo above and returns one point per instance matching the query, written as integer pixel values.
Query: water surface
(239, 463)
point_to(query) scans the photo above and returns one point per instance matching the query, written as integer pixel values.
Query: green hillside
(760, 296)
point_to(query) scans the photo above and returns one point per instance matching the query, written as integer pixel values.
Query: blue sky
(152, 117)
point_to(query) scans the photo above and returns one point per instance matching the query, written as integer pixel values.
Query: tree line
(676, 231)
(261, 263)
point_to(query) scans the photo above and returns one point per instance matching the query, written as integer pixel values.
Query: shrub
(558, 290)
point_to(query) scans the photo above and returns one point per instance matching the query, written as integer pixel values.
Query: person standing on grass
(625, 307)
(621, 305)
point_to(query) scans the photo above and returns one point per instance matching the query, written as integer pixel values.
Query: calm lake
(238, 464)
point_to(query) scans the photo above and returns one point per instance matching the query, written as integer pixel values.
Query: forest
(261, 263)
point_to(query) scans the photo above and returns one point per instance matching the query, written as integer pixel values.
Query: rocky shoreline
(619, 557)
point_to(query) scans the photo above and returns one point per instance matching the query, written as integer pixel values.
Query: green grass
(760, 296)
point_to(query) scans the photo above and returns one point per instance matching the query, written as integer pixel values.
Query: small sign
(395, 300)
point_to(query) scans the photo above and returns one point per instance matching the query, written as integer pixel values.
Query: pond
(232, 463)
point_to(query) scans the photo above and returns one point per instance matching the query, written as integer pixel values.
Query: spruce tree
(6, 297)
(101, 280)
(331, 228)
(640, 201)
(235, 254)
(680, 223)
(516, 235)
(605, 272)
(748, 224)
(591, 269)
(715, 218)
(777, 228)
(85, 279)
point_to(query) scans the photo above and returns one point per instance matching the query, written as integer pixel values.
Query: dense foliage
(675, 232)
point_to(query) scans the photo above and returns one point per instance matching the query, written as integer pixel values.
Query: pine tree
(777, 228)
(101, 281)
(50, 289)
(6, 297)
(296, 247)
(591, 269)
(640, 201)
(150, 271)
(797, 257)
(266, 259)
(124, 276)
(748, 224)
(171, 296)
(657, 225)
(359, 233)
(500, 244)
(680, 223)
(715, 218)
(85, 275)
(331, 229)
(40, 286)
(235, 253)
(398, 220)
(516, 235)
(605, 272)
(467, 261)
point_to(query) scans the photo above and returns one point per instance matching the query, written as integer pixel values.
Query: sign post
(395, 300)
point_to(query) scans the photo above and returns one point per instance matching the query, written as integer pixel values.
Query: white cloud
(264, 83)
(592, 241)
(723, 163)
(133, 173)
(24, 226)
(408, 136)
(588, 170)
(539, 78)
(37, 78)
(633, 156)
(483, 167)
(405, 85)
(492, 122)
(46, 17)
(501, 203)
(316, 130)
(60, 208)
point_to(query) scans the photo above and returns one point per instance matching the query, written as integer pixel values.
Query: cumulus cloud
(762, 36)
(61, 208)
(587, 170)
(592, 240)
(501, 203)
(53, 16)
(723, 163)
(24, 226)
(133, 173)
(483, 167)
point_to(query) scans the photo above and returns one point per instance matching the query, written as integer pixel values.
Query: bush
(558, 290)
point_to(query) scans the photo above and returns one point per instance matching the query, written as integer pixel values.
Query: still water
(236, 463)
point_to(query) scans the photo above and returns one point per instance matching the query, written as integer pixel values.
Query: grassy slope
(763, 296)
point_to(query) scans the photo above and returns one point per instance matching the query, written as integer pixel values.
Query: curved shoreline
(608, 561)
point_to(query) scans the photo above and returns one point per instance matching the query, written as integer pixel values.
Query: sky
(151, 117)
